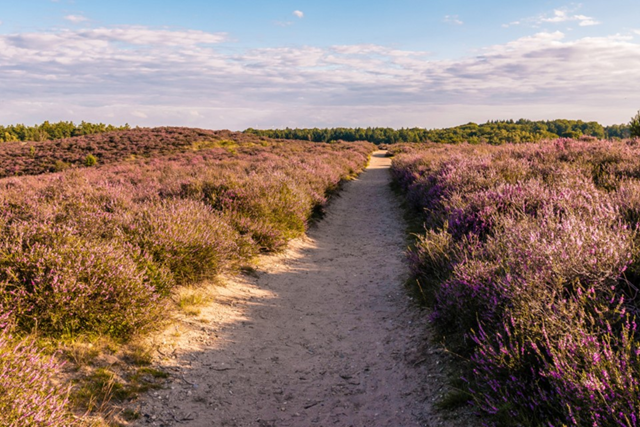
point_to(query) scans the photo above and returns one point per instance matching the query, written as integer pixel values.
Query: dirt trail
(323, 335)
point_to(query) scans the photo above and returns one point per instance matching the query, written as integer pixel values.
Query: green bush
(90, 160)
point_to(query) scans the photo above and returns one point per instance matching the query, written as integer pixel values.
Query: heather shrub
(531, 253)
(96, 250)
(62, 284)
(271, 211)
(29, 393)
(560, 369)
(109, 147)
(532, 259)
(627, 198)
(476, 293)
(595, 376)
(432, 256)
(478, 211)
(188, 238)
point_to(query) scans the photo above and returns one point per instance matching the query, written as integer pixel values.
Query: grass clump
(190, 299)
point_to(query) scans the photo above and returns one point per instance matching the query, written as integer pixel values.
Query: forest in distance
(47, 131)
(492, 132)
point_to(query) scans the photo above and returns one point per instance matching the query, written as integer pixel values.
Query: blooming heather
(28, 394)
(98, 249)
(531, 258)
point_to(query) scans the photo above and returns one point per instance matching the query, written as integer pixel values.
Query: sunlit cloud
(150, 76)
(298, 14)
(558, 16)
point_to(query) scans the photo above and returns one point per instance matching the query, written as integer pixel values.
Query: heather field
(36, 157)
(96, 250)
(529, 258)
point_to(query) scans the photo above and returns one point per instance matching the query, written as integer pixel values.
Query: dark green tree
(634, 126)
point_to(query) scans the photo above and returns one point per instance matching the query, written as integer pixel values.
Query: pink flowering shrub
(60, 283)
(531, 255)
(187, 237)
(96, 250)
(29, 395)
(33, 158)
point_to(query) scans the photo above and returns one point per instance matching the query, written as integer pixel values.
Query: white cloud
(585, 21)
(105, 39)
(145, 36)
(298, 14)
(453, 19)
(562, 15)
(283, 23)
(76, 19)
(152, 76)
(558, 16)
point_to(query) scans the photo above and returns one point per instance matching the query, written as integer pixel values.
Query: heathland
(526, 256)
(97, 249)
(529, 258)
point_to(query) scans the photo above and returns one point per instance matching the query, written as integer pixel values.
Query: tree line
(50, 131)
(492, 132)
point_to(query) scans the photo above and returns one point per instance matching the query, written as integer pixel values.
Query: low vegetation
(97, 250)
(29, 394)
(19, 158)
(530, 260)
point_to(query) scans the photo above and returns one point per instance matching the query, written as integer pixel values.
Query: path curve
(324, 335)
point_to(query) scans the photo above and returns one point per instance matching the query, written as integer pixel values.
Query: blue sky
(239, 64)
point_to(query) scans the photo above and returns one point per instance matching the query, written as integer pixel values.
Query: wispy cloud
(76, 19)
(453, 19)
(153, 76)
(106, 37)
(298, 14)
(558, 16)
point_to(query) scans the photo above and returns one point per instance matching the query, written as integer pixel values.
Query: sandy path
(324, 335)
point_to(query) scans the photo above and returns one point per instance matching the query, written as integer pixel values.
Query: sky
(284, 63)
